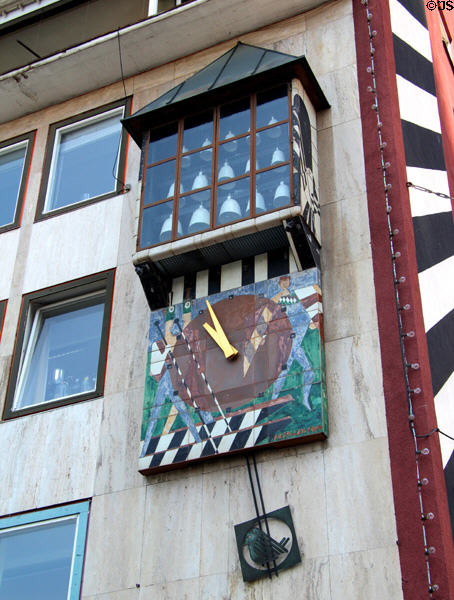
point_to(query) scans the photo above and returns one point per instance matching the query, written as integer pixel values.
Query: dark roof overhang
(241, 70)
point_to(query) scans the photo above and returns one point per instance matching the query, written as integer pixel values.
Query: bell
(248, 165)
(200, 181)
(260, 205)
(232, 146)
(230, 210)
(166, 229)
(275, 131)
(282, 194)
(278, 156)
(171, 191)
(226, 172)
(185, 160)
(206, 154)
(200, 219)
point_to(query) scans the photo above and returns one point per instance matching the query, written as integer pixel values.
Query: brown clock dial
(261, 332)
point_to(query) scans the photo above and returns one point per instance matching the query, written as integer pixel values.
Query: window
(41, 553)
(85, 160)
(217, 167)
(62, 343)
(15, 157)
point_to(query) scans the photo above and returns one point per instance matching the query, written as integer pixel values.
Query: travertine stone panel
(73, 244)
(54, 457)
(330, 11)
(359, 497)
(354, 388)
(349, 300)
(340, 88)
(126, 358)
(309, 580)
(131, 594)
(8, 249)
(214, 586)
(331, 45)
(215, 511)
(300, 483)
(112, 559)
(183, 589)
(375, 574)
(173, 520)
(118, 442)
(129, 301)
(340, 220)
(341, 162)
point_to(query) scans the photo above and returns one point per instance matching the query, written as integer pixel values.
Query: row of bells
(226, 172)
(230, 211)
(273, 133)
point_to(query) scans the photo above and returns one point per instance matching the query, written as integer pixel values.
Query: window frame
(215, 146)
(73, 124)
(27, 139)
(71, 294)
(59, 513)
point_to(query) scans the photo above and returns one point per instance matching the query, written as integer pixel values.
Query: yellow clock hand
(219, 336)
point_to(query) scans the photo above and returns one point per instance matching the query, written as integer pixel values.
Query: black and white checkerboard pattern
(224, 435)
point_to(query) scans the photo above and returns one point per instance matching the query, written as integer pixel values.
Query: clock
(236, 370)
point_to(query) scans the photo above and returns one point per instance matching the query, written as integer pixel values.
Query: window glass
(235, 119)
(11, 170)
(272, 146)
(62, 357)
(272, 106)
(163, 143)
(157, 223)
(41, 553)
(85, 160)
(274, 187)
(198, 132)
(161, 182)
(36, 560)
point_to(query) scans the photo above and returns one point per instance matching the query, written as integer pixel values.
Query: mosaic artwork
(236, 370)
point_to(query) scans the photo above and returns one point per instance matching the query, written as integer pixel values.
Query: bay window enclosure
(217, 167)
(85, 160)
(61, 353)
(15, 157)
(41, 553)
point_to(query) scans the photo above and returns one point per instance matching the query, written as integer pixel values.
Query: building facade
(225, 304)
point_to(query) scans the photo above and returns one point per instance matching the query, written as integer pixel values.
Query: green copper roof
(240, 63)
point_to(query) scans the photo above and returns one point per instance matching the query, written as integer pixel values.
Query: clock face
(239, 369)
(261, 333)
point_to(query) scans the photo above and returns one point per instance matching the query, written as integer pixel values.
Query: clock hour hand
(219, 336)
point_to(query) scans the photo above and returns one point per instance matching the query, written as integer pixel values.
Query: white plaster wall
(171, 536)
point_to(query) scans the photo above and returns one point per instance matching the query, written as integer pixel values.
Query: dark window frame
(75, 292)
(29, 138)
(215, 108)
(120, 186)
